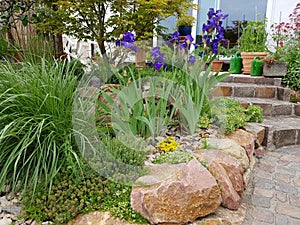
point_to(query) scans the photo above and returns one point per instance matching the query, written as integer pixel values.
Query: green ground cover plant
(71, 196)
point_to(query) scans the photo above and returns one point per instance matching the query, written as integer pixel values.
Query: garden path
(274, 195)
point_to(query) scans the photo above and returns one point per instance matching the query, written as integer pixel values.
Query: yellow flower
(168, 144)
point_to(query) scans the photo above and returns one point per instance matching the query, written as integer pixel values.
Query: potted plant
(184, 24)
(252, 43)
(274, 67)
(213, 38)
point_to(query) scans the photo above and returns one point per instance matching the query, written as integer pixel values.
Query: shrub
(228, 114)
(36, 134)
(254, 114)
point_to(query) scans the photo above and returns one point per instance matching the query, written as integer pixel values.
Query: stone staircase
(282, 118)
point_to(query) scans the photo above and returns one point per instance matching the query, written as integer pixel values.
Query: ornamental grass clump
(36, 133)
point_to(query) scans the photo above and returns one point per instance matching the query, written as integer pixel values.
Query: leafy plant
(254, 114)
(254, 37)
(177, 157)
(173, 157)
(228, 114)
(185, 20)
(36, 133)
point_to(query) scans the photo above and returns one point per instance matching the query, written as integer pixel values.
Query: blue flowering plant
(213, 33)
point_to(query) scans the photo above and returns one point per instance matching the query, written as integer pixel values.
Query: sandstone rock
(258, 131)
(244, 139)
(232, 148)
(175, 194)
(97, 218)
(230, 198)
(232, 166)
(229, 174)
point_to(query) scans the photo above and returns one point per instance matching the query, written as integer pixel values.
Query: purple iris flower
(192, 59)
(211, 13)
(187, 42)
(215, 46)
(127, 41)
(174, 37)
(128, 37)
(158, 57)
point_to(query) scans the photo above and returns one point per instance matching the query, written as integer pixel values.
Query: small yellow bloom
(168, 144)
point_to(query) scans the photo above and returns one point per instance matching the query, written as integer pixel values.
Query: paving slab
(273, 197)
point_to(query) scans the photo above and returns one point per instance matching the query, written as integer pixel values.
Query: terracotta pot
(216, 65)
(248, 57)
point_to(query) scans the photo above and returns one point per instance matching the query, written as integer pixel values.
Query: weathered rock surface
(230, 147)
(98, 218)
(244, 139)
(228, 172)
(176, 194)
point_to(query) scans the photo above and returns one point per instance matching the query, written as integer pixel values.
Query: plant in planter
(287, 39)
(274, 66)
(252, 43)
(213, 37)
(184, 24)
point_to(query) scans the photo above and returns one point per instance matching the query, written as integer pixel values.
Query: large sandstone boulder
(176, 194)
(244, 139)
(228, 172)
(232, 148)
(98, 218)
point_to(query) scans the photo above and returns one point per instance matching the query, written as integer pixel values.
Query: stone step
(247, 79)
(251, 90)
(281, 131)
(272, 107)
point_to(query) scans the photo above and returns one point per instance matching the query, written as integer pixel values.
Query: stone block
(297, 109)
(283, 94)
(282, 110)
(265, 92)
(228, 79)
(264, 81)
(244, 79)
(246, 92)
(266, 107)
(222, 91)
(288, 210)
(284, 137)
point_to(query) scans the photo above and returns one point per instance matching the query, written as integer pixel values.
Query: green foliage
(254, 37)
(120, 152)
(174, 157)
(228, 114)
(177, 157)
(254, 114)
(36, 132)
(37, 49)
(141, 16)
(292, 56)
(205, 121)
(71, 196)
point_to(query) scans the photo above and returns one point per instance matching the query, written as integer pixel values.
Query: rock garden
(141, 135)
